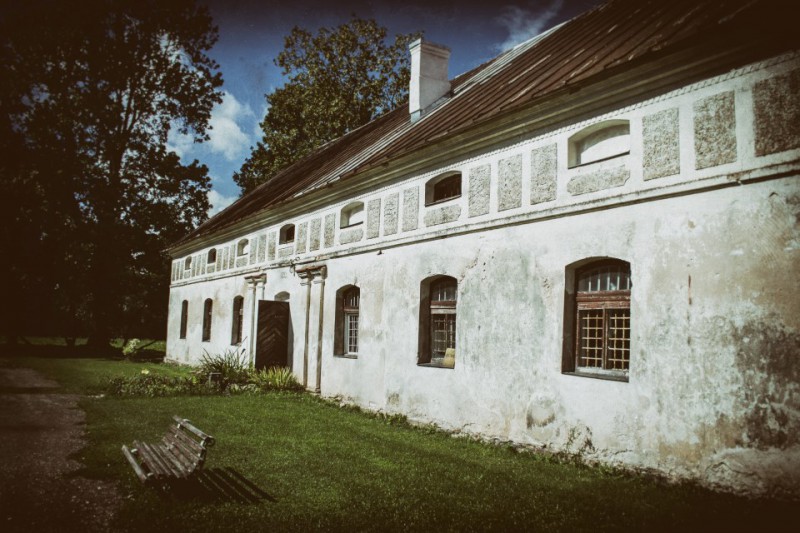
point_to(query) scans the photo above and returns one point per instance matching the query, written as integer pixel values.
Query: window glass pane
(605, 278)
(443, 334)
(449, 187)
(619, 339)
(351, 332)
(352, 299)
(590, 345)
(444, 291)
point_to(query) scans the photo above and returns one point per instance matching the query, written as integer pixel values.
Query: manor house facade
(588, 244)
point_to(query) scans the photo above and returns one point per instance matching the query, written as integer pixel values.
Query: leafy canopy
(90, 90)
(339, 79)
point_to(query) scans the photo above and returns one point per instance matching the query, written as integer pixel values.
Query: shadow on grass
(80, 351)
(218, 485)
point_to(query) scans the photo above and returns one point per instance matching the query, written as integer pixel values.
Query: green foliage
(153, 385)
(275, 378)
(339, 79)
(228, 368)
(90, 92)
(131, 347)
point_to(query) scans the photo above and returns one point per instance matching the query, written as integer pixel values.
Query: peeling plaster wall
(706, 209)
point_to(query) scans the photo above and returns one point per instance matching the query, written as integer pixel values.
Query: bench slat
(168, 457)
(179, 449)
(208, 440)
(156, 461)
(147, 461)
(192, 444)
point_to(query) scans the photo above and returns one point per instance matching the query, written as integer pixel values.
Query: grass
(323, 467)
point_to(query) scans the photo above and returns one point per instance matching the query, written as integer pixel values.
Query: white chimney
(429, 80)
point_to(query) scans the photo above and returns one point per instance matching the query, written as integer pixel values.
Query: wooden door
(272, 338)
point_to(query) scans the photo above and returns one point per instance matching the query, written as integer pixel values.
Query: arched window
(286, 234)
(352, 215)
(207, 310)
(184, 318)
(242, 247)
(187, 263)
(598, 142)
(238, 316)
(437, 343)
(348, 303)
(212, 256)
(602, 318)
(443, 187)
(282, 296)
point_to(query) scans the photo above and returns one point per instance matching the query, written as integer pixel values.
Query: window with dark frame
(442, 188)
(286, 234)
(447, 188)
(184, 318)
(438, 322)
(242, 247)
(350, 306)
(212, 256)
(238, 318)
(207, 309)
(603, 318)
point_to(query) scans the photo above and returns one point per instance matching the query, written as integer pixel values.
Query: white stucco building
(588, 243)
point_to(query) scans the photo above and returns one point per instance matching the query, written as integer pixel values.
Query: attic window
(242, 247)
(599, 142)
(352, 215)
(286, 234)
(443, 187)
(212, 256)
(187, 264)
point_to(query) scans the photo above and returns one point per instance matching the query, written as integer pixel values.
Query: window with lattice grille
(602, 319)
(351, 303)
(438, 322)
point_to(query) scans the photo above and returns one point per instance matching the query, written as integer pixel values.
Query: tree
(339, 80)
(90, 91)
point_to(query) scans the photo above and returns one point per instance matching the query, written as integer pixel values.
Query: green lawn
(318, 466)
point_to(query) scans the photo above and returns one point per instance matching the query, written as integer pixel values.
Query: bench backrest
(188, 443)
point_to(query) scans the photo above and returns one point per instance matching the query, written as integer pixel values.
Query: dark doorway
(272, 341)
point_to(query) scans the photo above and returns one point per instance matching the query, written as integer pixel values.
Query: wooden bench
(180, 454)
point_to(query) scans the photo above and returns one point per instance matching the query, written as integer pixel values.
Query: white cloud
(178, 142)
(226, 136)
(218, 202)
(523, 24)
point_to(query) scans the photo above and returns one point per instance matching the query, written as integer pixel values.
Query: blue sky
(251, 35)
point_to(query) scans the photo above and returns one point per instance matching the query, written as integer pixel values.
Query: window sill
(615, 156)
(598, 375)
(353, 225)
(434, 364)
(346, 355)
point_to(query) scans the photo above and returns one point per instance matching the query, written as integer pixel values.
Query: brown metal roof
(608, 39)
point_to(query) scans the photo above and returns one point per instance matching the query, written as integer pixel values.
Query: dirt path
(41, 433)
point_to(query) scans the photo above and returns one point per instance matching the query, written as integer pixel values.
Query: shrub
(153, 385)
(131, 347)
(225, 369)
(275, 378)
